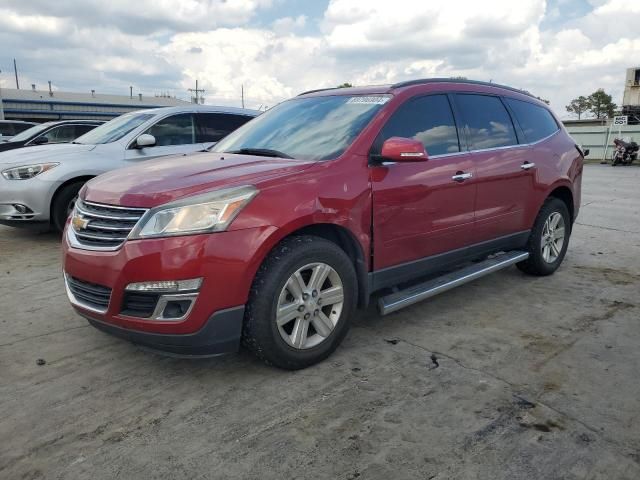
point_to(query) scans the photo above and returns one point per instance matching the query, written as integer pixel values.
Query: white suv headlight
(210, 212)
(27, 171)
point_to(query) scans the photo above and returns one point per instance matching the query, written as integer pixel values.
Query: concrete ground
(510, 377)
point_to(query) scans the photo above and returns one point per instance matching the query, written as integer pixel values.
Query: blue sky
(557, 49)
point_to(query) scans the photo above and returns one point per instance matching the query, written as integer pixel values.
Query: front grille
(139, 304)
(89, 294)
(104, 226)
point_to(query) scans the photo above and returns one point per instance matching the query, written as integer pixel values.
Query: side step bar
(403, 298)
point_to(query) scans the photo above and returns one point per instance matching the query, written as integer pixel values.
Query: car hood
(156, 182)
(43, 153)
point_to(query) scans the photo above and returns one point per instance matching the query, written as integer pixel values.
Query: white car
(38, 186)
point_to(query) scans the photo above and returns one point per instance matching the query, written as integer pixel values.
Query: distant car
(38, 186)
(10, 128)
(64, 131)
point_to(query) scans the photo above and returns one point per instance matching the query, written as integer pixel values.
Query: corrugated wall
(594, 138)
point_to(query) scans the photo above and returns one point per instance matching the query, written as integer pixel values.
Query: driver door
(175, 134)
(419, 209)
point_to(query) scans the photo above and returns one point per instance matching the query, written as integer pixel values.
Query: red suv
(277, 234)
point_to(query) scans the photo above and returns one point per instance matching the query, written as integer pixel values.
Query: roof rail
(458, 80)
(318, 90)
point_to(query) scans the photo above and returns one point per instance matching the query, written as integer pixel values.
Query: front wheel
(300, 303)
(549, 239)
(63, 204)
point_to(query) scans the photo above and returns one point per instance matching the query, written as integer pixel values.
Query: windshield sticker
(368, 100)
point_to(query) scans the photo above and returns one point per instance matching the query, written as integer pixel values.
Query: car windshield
(314, 128)
(115, 129)
(31, 132)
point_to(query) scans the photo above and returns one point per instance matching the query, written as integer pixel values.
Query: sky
(556, 49)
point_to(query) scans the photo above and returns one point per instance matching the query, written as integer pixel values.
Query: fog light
(166, 286)
(176, 308)
(21, 208)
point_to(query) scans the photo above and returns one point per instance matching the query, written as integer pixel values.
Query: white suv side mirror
(145, 140)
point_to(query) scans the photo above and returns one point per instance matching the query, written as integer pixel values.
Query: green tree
(601, 104)
(578, 106)
(544, 100)
(345, 85)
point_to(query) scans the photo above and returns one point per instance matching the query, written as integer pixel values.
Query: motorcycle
(624, 153)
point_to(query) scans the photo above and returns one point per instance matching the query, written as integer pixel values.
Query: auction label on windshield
(362, 100)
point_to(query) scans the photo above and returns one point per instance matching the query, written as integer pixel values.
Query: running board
(403, 298)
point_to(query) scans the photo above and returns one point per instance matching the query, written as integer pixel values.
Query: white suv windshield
(313, 128)
(115, 129)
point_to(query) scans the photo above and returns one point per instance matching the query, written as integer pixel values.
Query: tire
(275, 288)
(63, 204)
(541, 262)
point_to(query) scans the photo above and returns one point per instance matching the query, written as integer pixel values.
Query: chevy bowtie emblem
(79, 223)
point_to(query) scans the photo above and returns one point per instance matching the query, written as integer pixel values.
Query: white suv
(38, 186)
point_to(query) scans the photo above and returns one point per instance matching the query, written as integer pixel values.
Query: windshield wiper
(261, 152)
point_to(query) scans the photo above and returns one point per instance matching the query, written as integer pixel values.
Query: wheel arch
(82, 178)
(343, 238)
(565, 194)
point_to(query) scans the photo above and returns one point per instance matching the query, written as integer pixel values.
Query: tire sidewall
(60, 204)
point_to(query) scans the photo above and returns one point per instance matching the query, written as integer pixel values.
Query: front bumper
(226, 261)
(220, 335)
(34, 194)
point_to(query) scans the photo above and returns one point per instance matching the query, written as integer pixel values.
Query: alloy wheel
(553, 233)
(309, 306)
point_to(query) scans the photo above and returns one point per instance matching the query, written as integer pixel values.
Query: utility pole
(242, 92)
(1, 105)
(131, 92)
(196, 91)
(15, 70)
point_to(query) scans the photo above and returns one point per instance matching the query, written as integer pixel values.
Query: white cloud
(166, 44)
(289, 24)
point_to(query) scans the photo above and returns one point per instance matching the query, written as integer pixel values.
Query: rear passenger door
(213, 127)
(504, 187)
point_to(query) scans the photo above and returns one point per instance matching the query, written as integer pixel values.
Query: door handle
(527, 165)
(461, 177)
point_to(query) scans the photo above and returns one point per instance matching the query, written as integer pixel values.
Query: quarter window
(487, 122)
(536, 122)
(174, 130)
(428, 119)
(213, 127)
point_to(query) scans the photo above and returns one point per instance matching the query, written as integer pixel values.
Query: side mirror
(399, 149)
(145, 140)
(41, 141)
(585, 152)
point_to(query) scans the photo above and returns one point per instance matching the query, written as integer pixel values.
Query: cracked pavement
(509, 377)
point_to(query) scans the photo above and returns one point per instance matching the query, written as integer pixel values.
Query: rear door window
(486, 122)
(428, 119)
(213, 127)
(61, 134)
(174, 130)
(536, 122)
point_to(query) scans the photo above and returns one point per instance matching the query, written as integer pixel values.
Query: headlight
(27, 171)
(211, 212)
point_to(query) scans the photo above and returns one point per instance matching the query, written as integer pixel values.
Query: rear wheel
(63, 204)
(300, 303)
(549, 239)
